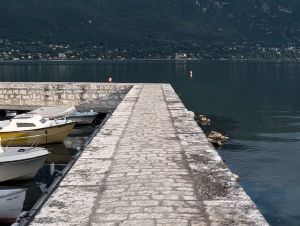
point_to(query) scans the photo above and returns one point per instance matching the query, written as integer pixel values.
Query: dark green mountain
(173, 24)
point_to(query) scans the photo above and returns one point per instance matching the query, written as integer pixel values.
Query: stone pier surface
(150, 164)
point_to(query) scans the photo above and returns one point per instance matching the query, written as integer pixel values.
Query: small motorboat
(11, 204)
(11, 113)
(21, 163)
(24, 129)
(69, 113)
(82, 117)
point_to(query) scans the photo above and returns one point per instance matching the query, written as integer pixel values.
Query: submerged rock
(216, 138)
(235, 177)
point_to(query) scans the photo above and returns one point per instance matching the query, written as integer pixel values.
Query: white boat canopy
(28, 121)
(23, 122)
(54, 112)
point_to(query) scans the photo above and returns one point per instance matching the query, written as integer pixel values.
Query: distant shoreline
(61, 62)
(80, 61)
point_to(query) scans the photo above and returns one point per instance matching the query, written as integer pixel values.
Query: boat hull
(22, 169)
(55, 134)
(11, 204)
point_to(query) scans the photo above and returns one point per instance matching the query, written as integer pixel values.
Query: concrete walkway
(150, 165)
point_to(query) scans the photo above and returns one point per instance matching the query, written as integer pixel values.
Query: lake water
(255, 103)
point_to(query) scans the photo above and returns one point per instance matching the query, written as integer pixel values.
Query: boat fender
(1, 148)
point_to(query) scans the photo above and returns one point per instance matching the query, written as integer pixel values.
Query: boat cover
(54, 112)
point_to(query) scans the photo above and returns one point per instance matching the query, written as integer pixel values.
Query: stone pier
(150, 164)
(101, 97)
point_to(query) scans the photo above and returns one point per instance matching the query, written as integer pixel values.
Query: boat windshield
(43, 120)
(19, 124)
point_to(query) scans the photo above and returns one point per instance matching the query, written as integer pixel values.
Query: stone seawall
(150, 164)
(102, 96)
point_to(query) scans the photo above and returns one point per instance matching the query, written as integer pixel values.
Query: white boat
(27, 126)
(69, 113)
(82, 117)
(21, 163)
(11, 204)
(11, 113)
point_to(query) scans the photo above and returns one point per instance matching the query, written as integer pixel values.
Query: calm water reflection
(256, 104)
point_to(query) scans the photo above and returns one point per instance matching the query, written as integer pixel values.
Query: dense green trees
(150, 25)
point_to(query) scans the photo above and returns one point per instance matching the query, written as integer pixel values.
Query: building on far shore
(61, 56)
(180, 56)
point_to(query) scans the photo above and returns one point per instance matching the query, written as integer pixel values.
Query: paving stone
(138, 223)
(102, 217)
(169, 222)
(57, 209)
(159, 209)
(128, 209)
(145, 203)
(104, 224)
(146, 216)
(83, 180)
